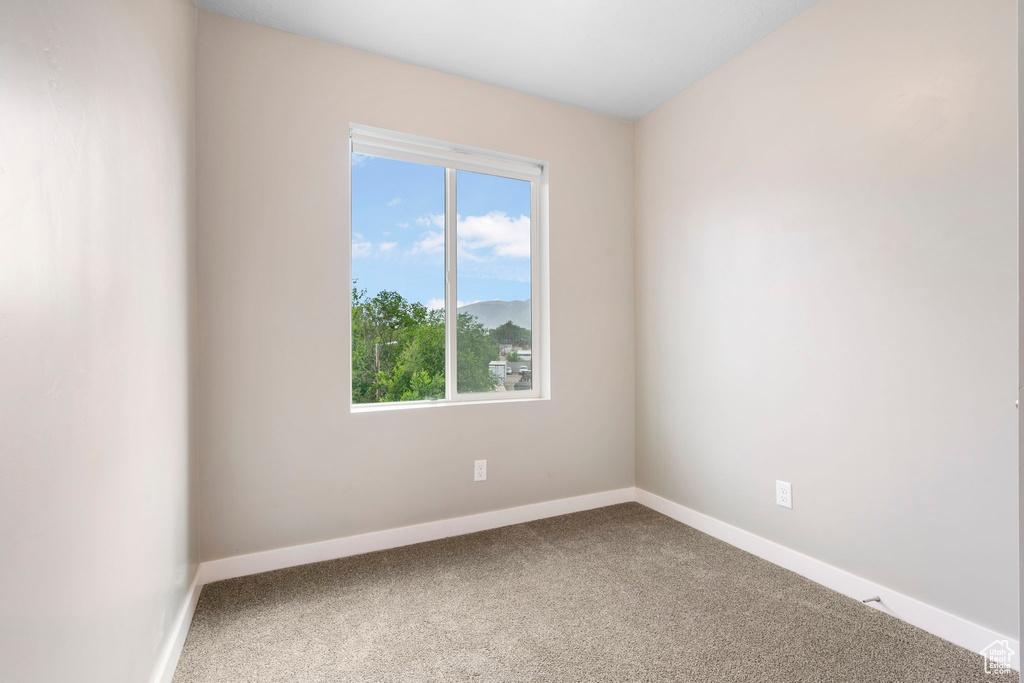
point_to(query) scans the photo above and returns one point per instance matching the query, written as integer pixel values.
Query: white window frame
(402, 147)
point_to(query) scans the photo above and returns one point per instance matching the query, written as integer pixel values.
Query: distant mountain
(494, 313)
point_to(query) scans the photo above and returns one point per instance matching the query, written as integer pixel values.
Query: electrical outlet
(480, 470)
(784, 494)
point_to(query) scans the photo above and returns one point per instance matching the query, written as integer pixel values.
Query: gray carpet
(616, 594)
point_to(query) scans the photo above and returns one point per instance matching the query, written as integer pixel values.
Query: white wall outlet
(784, 494)
(480, 470)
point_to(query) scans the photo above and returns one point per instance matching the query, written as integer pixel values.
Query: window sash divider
(451, 280)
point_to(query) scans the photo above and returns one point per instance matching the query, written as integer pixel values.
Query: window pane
(494, 339)
(398, 340)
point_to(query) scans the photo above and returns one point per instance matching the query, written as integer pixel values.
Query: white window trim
(385, 143)
(403, 147)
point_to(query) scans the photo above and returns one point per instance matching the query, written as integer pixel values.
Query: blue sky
(398, 232)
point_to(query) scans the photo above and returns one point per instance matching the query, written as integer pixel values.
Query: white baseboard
(243, 565)
(926, 617)
(168, 662)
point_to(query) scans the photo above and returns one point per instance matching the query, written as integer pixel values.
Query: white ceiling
(620, 58)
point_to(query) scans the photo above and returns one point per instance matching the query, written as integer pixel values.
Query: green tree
(392, 340)
(419, 371)
(398, 350)
(511, 334)
(477, 348)
(424, 386)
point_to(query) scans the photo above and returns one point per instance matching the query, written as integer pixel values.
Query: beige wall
(1020, 303)
(283, 460)
(98, 531)
(826, 294)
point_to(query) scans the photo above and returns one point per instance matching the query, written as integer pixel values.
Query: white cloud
(495, 234)
(359, 159)
(432, 243)
(361, 249)
(395, 202)
(402, 225)
(493, 246)
(492, 236)
(357, 235)
(386, 246)
(431, 221)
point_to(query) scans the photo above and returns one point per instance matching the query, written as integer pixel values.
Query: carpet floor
(619, 594)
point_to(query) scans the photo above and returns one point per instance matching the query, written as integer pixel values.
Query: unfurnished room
(563, 341)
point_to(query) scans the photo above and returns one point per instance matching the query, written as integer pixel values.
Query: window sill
(418, 405)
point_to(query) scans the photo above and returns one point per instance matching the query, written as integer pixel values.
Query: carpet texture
(620, 594)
